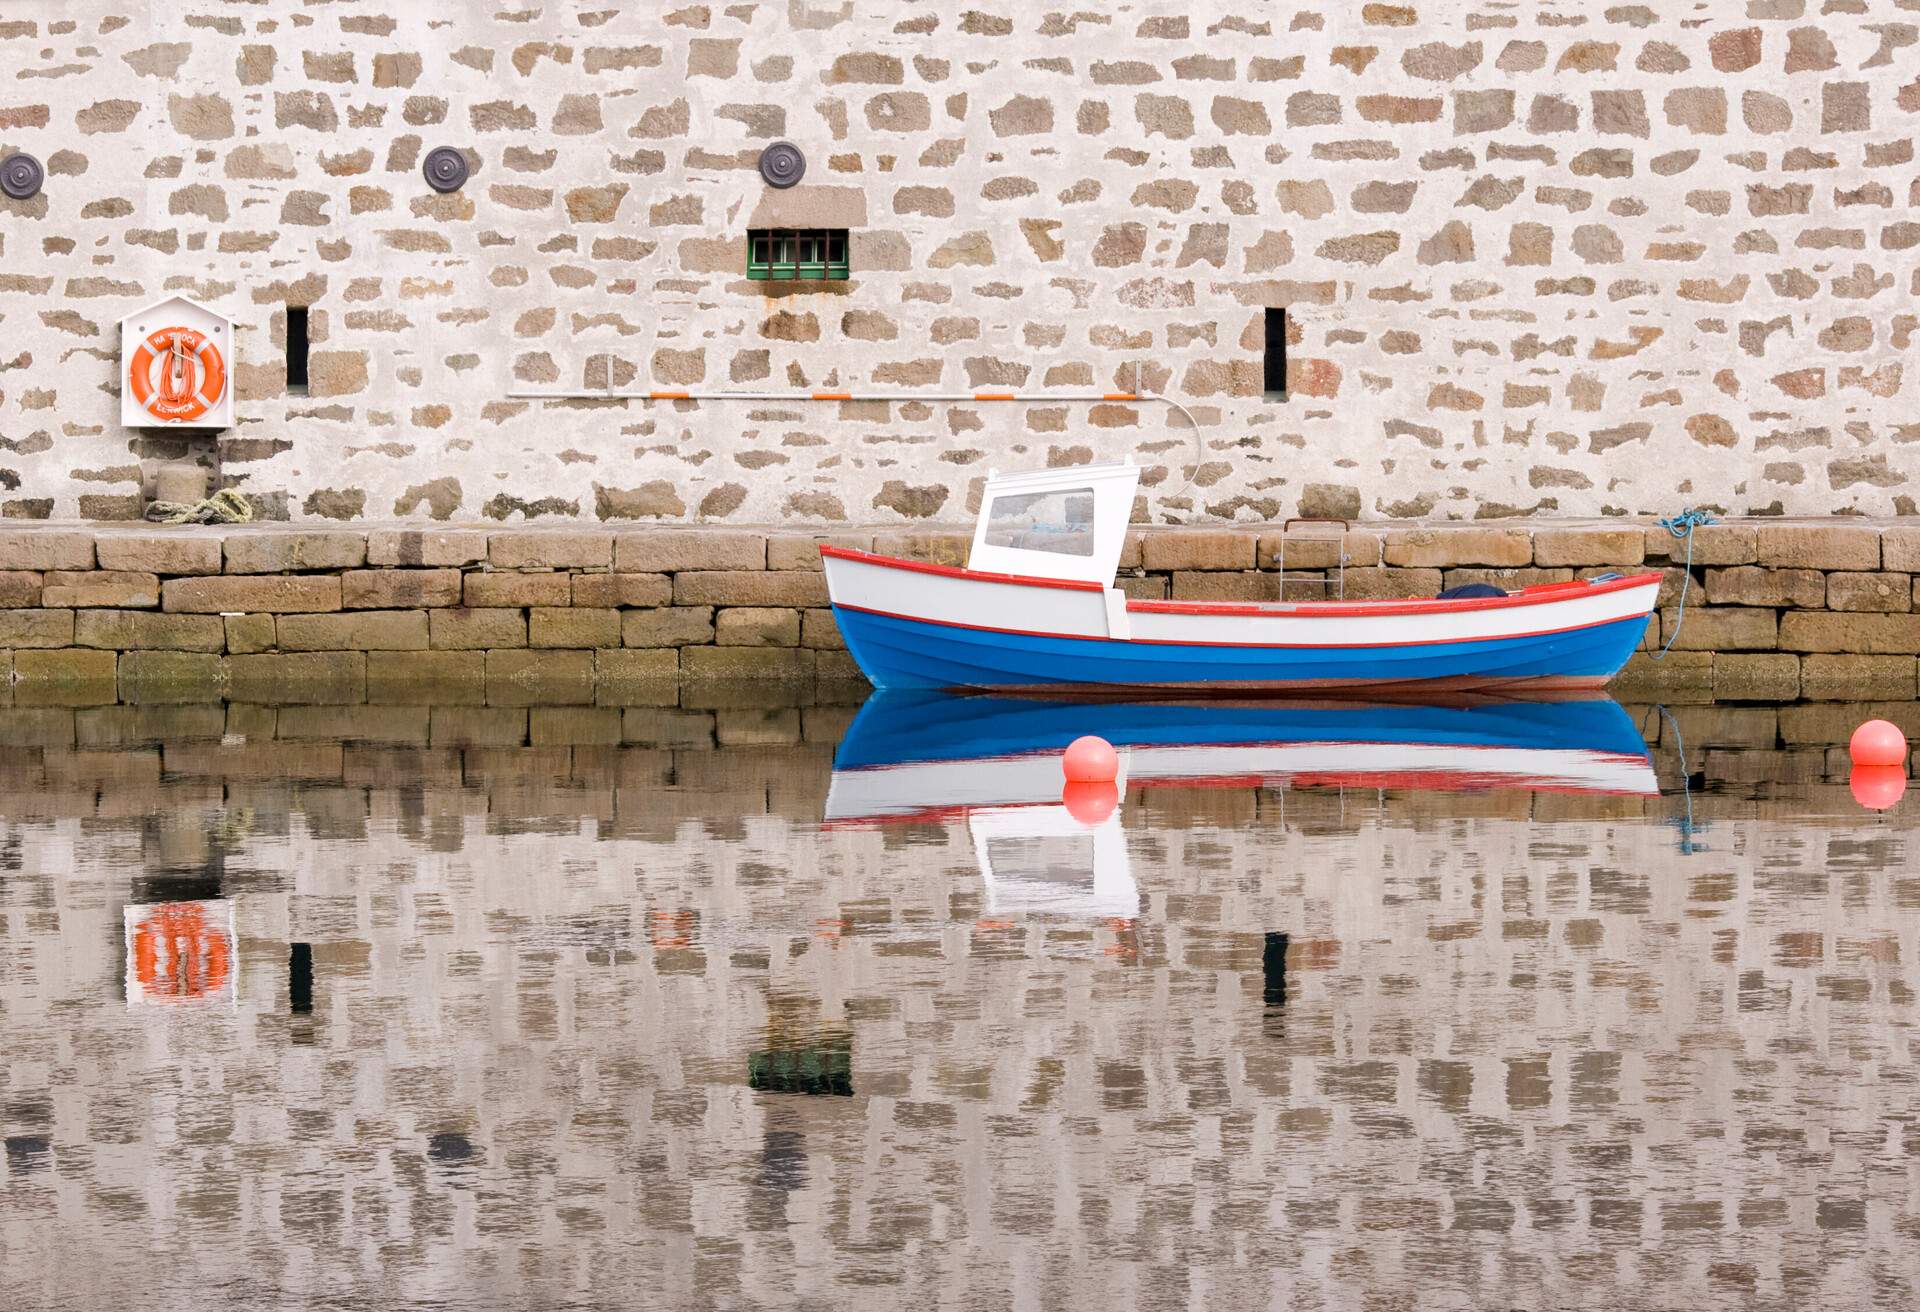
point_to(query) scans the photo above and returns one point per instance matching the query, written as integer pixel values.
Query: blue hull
(906, 653)
(896, 727)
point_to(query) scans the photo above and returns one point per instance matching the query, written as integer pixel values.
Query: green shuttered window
(797, 254)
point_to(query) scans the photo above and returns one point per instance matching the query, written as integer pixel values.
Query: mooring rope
(223, 507)
(1685, 826)
(1682, 525)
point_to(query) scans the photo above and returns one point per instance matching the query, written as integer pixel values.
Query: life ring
(179, 955)
(177, 375)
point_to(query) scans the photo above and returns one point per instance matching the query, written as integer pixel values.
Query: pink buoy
(1090, 801)
(1878, 742)
(1877, 787)
(1091, 760)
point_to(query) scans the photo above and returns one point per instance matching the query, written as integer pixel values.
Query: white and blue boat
(919, 756)
(991, 763)
(1036, 607)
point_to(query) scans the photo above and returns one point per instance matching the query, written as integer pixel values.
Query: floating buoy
(1090, 801)
(1877, 742)
(1877, 787)
(1091, 760)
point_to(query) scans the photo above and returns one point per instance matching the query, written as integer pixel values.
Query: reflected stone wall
(1526, 1043)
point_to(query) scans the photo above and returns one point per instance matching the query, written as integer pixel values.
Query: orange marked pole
(993, 396)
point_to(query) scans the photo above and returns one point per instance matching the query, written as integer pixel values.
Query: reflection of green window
(797, 254)
(819, 1070)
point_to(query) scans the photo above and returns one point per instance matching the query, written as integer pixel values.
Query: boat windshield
(1058, 521)
(1067, 523)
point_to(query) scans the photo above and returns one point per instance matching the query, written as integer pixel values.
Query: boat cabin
(1055, 523)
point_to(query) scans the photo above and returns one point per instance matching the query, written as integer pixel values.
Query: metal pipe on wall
(1025, 398)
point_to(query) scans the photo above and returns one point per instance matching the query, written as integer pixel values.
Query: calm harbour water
(387, 1007)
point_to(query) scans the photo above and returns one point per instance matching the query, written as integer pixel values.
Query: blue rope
(1682, 525)
(1686, 826)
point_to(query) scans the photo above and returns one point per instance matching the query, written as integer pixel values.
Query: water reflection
(1334, 1007)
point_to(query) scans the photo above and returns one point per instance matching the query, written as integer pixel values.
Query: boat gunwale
(1540, 595)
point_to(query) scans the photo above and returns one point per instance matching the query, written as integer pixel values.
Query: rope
(223, 507)
(176, 373)
(1686, 826)
(1682, 525)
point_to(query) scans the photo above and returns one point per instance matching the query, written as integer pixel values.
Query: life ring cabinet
(176, 366)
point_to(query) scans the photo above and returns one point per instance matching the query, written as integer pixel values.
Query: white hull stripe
(932, 788)
(1015, 607)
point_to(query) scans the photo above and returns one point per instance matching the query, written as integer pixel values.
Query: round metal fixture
(446, 168)
(21, 176)
(782, 164)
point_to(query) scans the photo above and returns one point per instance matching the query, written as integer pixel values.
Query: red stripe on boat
(1535, 596)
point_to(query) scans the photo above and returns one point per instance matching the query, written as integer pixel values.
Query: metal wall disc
(21, 176)
(782, 164)
(446, 168)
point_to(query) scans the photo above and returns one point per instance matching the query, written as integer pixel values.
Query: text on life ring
(177, 375)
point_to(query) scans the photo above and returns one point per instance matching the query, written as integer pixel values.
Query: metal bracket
(446, 168)
(782, 164)
(21, 176)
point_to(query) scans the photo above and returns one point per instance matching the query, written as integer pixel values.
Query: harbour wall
(1541, 261)
(515, 617)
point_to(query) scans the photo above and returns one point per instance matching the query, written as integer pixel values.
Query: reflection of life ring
(179, 955)
(177, 375)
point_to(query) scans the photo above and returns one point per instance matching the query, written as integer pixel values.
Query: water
(344, 1008)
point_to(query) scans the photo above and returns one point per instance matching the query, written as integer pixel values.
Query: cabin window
(297, 350)
(797, 254)
(1060, 521)
(1276, 354)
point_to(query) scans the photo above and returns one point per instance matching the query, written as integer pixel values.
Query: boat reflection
(994, 763)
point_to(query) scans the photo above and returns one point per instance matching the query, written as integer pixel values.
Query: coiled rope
(223, 507)
(1682, 525)
(176, 373)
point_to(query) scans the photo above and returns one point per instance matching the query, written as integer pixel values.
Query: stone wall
(1556, 260)
(539, 616)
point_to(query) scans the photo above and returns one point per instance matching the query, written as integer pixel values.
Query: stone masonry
(1557, 260)
(567, 615)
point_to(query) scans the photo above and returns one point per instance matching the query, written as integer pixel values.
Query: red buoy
(1090, 801)
(1091, 760)
(1878, 742)
(1877, 787)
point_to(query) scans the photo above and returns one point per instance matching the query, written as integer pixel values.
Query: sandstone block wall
(592, 616)
(1558, 260)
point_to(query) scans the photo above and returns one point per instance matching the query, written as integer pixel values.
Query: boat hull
(914, 625)
(919, 756)
(898, 652)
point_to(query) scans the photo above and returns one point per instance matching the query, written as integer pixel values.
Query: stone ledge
(1777, 608)
(39, 545)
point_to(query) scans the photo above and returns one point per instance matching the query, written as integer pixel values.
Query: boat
(991, 764)
(925, 757)
(1036, 606)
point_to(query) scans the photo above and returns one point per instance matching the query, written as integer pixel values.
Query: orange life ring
(179, 955)
(177, 375)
